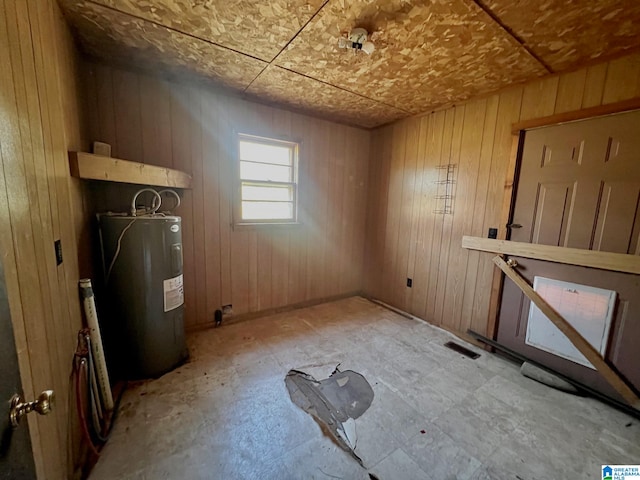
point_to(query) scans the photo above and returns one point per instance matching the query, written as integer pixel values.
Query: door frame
(518, 130)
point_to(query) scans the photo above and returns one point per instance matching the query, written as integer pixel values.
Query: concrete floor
(227, 414)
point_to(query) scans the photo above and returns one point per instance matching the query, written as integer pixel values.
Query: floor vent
(460, 349)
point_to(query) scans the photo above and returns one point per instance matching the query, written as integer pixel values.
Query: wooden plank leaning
(608, 373)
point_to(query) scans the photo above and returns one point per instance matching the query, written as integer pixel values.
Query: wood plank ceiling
(428, 53)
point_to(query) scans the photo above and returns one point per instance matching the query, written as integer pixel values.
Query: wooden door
(16, 458)
(579, 186)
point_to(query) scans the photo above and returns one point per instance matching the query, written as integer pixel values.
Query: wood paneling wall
(406, 239)
(38, 123)
(191, 128)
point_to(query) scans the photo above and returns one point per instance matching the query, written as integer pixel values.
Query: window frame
(294, 146)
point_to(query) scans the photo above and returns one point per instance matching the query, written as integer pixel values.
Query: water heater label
(173, 293)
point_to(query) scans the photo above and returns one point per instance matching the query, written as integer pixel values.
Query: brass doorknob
(19, 408)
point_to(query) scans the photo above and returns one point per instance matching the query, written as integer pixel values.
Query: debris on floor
(334, 402)
(547, 378)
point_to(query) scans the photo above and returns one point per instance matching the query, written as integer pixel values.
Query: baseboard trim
(461, 335)
(243, 317)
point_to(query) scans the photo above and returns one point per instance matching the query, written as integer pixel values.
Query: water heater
(144, 321)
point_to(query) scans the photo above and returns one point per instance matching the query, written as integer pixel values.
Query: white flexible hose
(154, 207)
(115, 255)
(173, 192)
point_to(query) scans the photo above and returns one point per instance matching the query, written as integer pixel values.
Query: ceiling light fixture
(357, 40)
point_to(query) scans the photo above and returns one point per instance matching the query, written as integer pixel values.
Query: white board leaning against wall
(588, 309)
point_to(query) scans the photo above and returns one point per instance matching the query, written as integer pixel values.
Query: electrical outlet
(409, 282)
(227, 309)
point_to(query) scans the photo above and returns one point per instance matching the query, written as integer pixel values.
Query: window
(268, 180)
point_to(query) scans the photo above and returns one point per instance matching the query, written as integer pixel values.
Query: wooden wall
(452, 286)
(191, 128)
(38, 122)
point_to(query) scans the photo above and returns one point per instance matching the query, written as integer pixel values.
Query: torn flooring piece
(334, 402)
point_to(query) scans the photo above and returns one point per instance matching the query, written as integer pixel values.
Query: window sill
(266, 225)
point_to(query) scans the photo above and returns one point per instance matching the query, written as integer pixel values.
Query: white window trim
(238, 182)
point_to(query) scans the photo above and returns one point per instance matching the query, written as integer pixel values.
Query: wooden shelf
(96, 167)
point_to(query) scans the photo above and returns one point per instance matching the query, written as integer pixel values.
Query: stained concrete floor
(227, 414)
